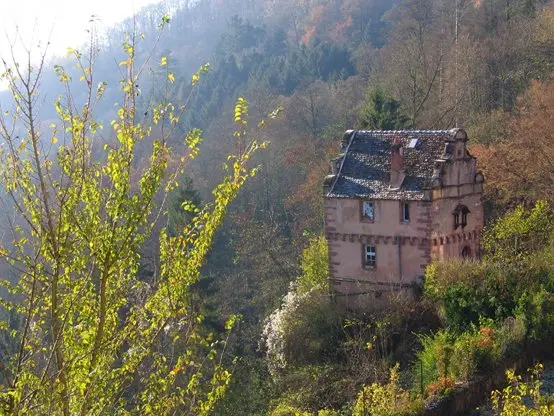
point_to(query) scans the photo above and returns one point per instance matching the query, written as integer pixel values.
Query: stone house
(397, 200)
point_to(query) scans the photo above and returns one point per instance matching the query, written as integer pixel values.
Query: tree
(381, 112)
(84, 334)
(522, 165)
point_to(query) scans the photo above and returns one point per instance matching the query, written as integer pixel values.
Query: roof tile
(365, 172)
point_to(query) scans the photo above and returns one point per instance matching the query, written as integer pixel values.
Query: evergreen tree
(381, 112)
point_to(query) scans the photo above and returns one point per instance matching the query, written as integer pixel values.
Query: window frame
(460, 222)
(369, 256)
(367, 218)
(404, 208)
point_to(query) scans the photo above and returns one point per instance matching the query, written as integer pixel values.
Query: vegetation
(95, 230)
(80, 327)
(523, 397)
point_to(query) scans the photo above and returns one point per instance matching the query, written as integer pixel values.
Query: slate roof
(365, 171)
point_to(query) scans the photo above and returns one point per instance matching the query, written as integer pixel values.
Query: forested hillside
(325, 66)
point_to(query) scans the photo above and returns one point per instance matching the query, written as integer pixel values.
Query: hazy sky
(64, 21)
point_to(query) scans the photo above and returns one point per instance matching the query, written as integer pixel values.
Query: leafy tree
(84, 334)
(507, 164)
(382, 112)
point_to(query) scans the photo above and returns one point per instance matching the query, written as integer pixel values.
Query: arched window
(460, 216)
(466, 252)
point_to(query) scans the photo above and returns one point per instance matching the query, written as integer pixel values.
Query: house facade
(395, 201)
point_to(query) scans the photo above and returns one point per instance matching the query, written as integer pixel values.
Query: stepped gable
(365, 171)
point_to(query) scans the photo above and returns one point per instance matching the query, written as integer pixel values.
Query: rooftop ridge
(352, 137)
(407, 131)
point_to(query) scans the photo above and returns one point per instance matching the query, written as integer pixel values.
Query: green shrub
(313, 387)
(447, 357)
(306, 328)
(536, 309)
(463, 292)
(433, 361)
(519, 233)
(315, 266)
(387, 399)
(284, 409)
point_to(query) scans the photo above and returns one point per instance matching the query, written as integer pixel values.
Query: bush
(315, 266)
(463, 292)
(518, 264)
(386, 399)
(433, 361)
(523, 398)
(519, 233)
(447, 357)
(305, 330)
(536, 310)
(313, 387)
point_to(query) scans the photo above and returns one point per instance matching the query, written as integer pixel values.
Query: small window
(370, 256)
(368, 211)
(466, 253)
(460, 216)
(405, 211)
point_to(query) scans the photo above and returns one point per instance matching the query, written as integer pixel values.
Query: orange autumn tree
(522, 165)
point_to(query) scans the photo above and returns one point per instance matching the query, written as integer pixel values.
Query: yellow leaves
(232, 321)
(241, 110)
(176, 370)
(128, 62)
(70, 51)
(171, 77)
(196, 76)
(163, 61)
(54, 140)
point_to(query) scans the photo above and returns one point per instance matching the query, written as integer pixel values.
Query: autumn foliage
(522, 165)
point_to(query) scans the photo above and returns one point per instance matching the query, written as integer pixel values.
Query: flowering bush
(304, 329)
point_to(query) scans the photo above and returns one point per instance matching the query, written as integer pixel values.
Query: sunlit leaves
(96, 330)
(196, 76)
(241, 109)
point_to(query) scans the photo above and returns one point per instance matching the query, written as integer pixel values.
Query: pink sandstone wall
(459, 186)
(402, 249)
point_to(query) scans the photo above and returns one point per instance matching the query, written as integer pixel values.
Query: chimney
(396, 164)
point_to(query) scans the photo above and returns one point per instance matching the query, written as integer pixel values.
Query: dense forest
(247, 326)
